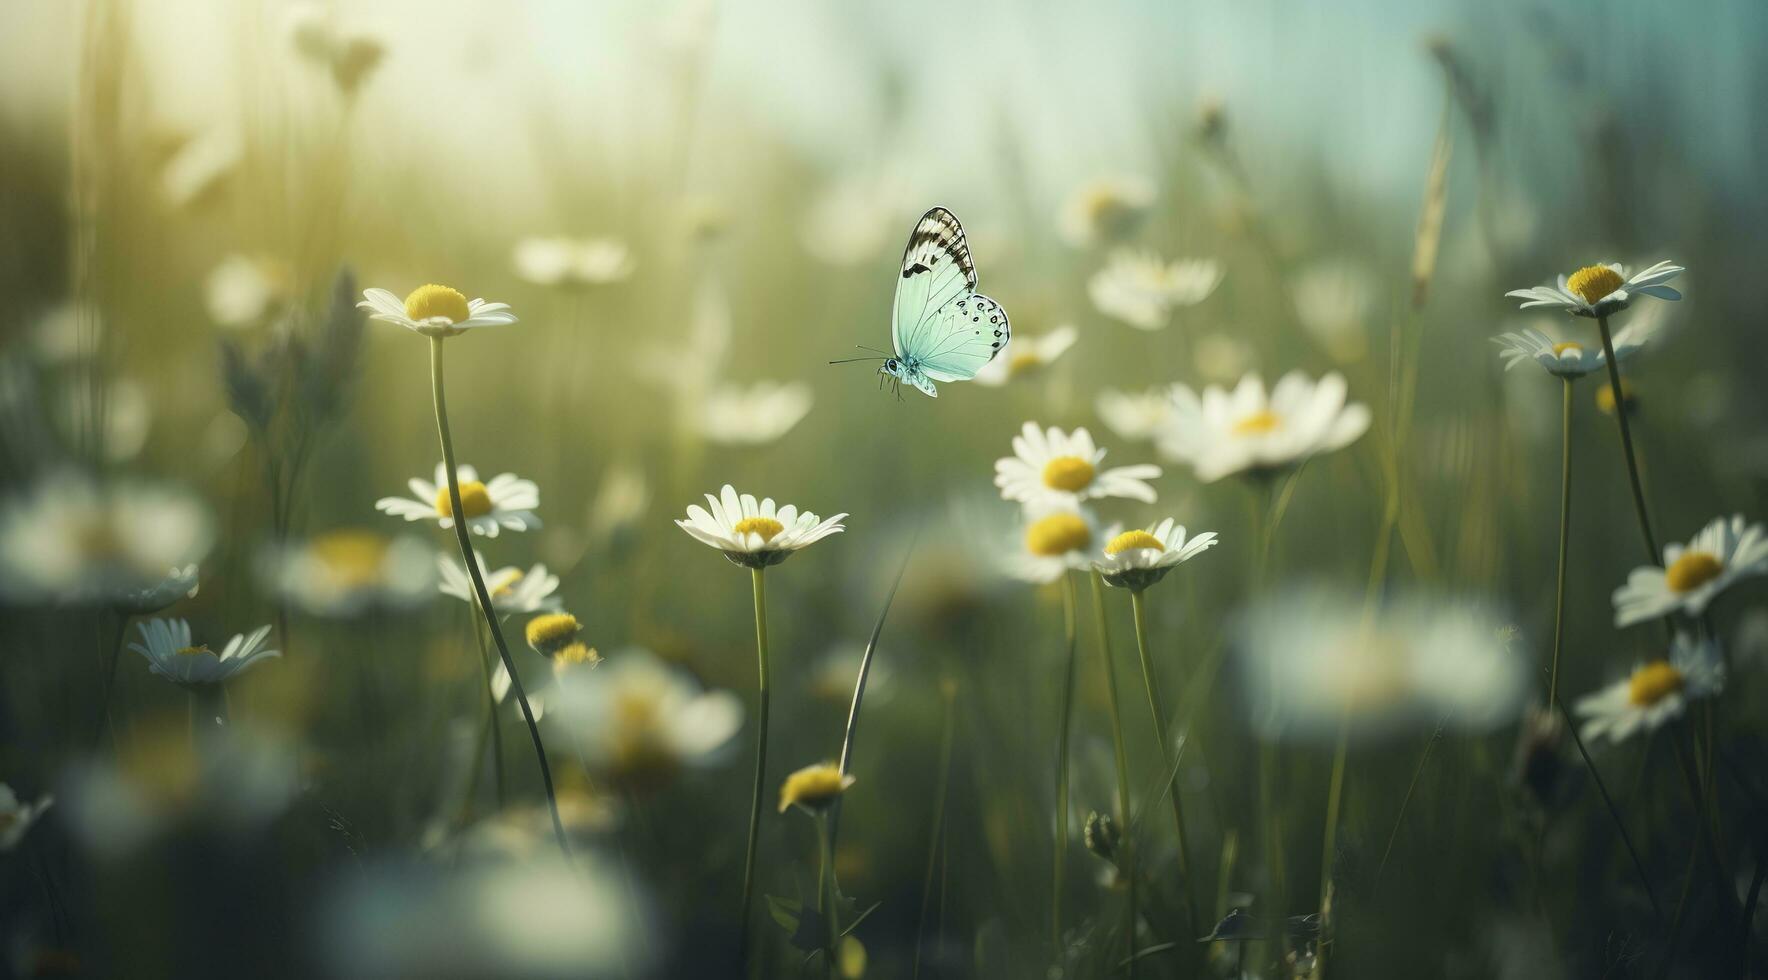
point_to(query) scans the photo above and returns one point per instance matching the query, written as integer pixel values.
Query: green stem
(1565, 530)
(1614, 812)
(483, 595)
(1069, 601)
(1406, 801)
(115, 648)
(1334, 800)
(825, 898)
(949, 690)
(1166, 753)
(1652, 555)
(1123, 764)
(491, 720)
(758, 576)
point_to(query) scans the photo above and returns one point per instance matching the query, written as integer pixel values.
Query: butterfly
(942, 329)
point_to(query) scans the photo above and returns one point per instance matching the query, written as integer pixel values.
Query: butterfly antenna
(850, 360)
(873, 349)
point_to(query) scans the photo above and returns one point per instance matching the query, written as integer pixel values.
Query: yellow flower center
(1133, 541)
(195, 651)
(1605, 396)
(1258, 423)
(813, 786)
(351, 558)
(1070, 473)
(431, 300)
(1593, 282)
(502, 586)
(1570, 346)
(767, 527)
(1653, 682)
(475, 500)
(1057, 534)
(552, 631)
(576, 654)
(1691, 571)
(1023, 363)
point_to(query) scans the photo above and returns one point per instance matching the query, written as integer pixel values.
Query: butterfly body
(941, 328)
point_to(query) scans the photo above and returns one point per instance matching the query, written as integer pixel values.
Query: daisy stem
(1406, 801)
(825, 899)
(1069, 601)
(1334, 801)
(1706, 834)
(1614, 812)
(1123, 764)
(483, 595)
(496, 730)
(758, 576)
(115, 648)
(1565, 530)
(949, 691)
(1653, 556)
(1166, 754)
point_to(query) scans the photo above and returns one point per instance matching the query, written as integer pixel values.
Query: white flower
(1655, 692)
(71, 541)
(500, 690)
(1693, 575)
(1312, 661)
(242, 290)
(1052, 539)
(505, 502)
(1571, 358)
(1136, 416)
(1142, 290)
(346, 572)
(621, 500)
(753, 415)
(1105, 209)
(512, 590)
(179, 583)
(1053, 466)
(1027, 355)
(1221, 433)
(752, 534)
(561, 261)
(1601, 290)
(16, 817)
(639, 717)
(1332, 301)
(350, 58)
(434, 311)
(170, 653)
(1138, 559)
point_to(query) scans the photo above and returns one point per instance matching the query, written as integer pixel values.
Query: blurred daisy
(349, 58)
(1222, 357)
(753, 534)
(242, 290)
(1694, 574)
(434, 311)
(179, 583)
(126, 423)
(1028, 356)
(70, 540)
(505, 502)
(1142, 290)
(17, 817)
(1053, 466)
(1656, 692)
(561, 261)
(1332, 301)
(1052, 540)
(640, 720)
(753, 415)
(814, 787)
(1314, 660)
(512, 590)
(200, 168)
(1137, 559)
(1221, 433)
(1605, 396)
(1601, 290)
(346, 572)
(170, 653)
(1136, 416)
(1105, 209)
(622, 498)
(1569, 358)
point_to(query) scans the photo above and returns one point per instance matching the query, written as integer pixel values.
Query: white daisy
(1142, 290)
(242, 290)
(1221, 433)
(1138, 559)
(434, 311)
(512, 590)
(1694, 574)
(347, 572)
(638, 718)
(179, 583)
(507, 501)
(1332, 300)
(1656, 692)
(1136, 416)
(561, 261)
(1601, 290)
(1570, 358)
(1105, 209)
(753, 415)
(170, 653)
(17, 817)
(1028, 355)
(753, 534)
(70, 540)
(1052, 539)
(1053, 466)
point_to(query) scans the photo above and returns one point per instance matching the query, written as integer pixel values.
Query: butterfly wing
(936, 270)
(964, 335)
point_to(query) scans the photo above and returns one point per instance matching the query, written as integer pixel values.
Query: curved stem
(825, 898)
(1123, 765)
(1334, 801)
(1653, 556)
(949, 691)
(1614, 813)
(1069, 601)
(1565, 525)
(759, 579)
(483, 595)
(1192, 909)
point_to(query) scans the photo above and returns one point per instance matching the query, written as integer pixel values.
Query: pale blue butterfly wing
(941, 329)
(966, 334)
